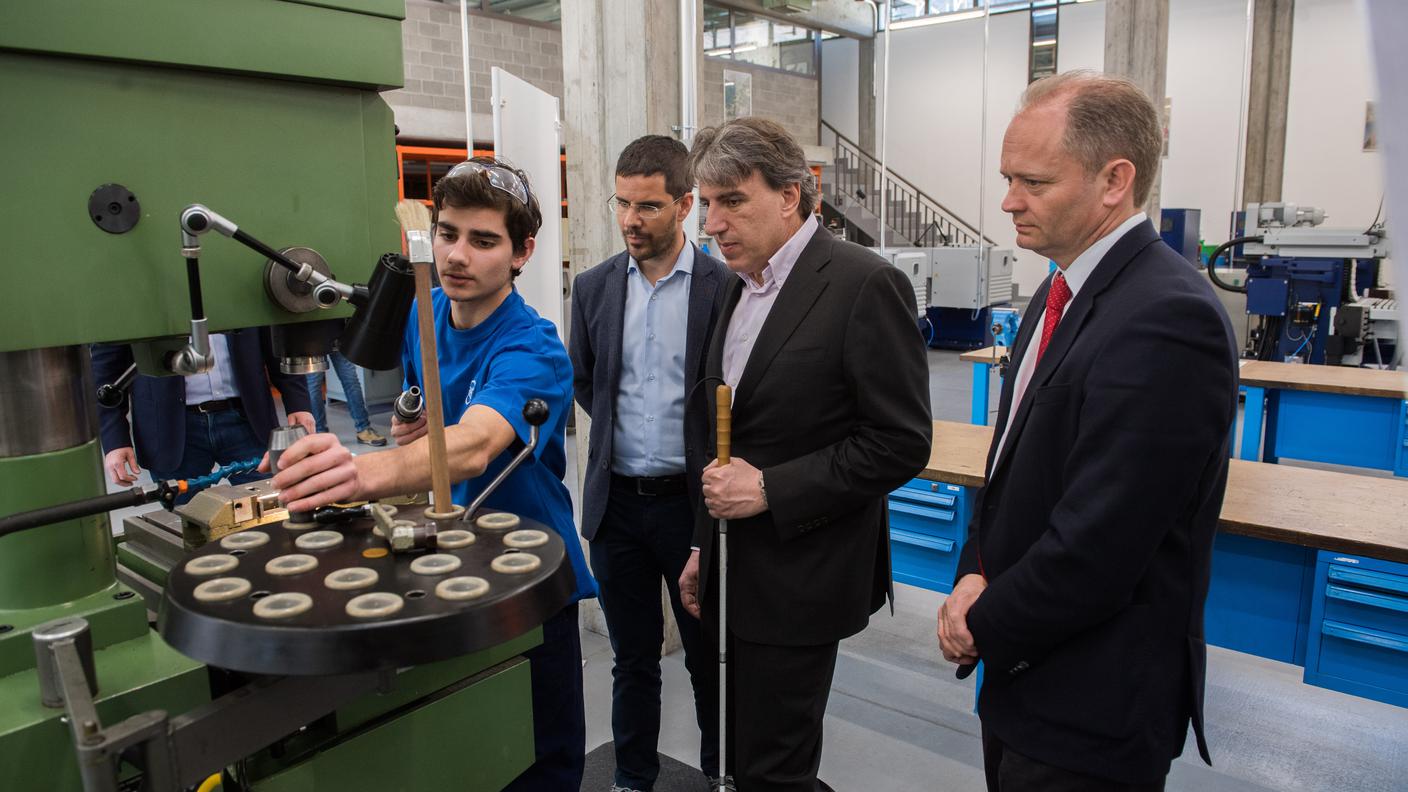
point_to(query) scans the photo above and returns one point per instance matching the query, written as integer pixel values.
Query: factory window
(759, 40)
(547, 13)
(1045, 25)
(535, 10)
(913, 13)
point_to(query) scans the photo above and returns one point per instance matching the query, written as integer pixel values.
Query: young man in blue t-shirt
(495, 353)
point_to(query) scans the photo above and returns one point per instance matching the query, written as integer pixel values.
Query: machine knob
(535, 412)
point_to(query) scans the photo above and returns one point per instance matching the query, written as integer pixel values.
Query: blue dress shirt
(649, 432)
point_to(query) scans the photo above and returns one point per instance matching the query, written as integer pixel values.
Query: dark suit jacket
(833, 407)
(158, 404)
(598, 311)
(1095, 529)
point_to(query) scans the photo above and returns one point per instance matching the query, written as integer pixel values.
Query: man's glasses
(499, 177)
(645, 211)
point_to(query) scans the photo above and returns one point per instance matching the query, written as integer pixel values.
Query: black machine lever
(112, 394)
(535, 412)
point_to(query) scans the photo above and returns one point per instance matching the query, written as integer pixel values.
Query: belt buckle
(201, 408)
(641, 488)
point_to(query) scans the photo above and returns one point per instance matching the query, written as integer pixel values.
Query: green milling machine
(120, 119)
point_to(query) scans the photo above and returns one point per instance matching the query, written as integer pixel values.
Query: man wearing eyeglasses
(495, 353)
(640, 321)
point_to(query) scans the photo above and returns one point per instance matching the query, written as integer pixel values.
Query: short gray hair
(729, 154)
(1107, 118)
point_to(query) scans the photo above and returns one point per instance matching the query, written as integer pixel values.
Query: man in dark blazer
(1082, 583)
(640, 323)
(830, 413)
(183, 427)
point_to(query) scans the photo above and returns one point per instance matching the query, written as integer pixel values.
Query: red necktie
(1056, 298)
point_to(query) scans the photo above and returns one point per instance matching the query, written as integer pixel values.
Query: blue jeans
(559, 714)
(351, 388)
(218, 438)
(642, 540)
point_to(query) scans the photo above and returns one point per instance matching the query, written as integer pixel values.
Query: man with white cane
(818, 342)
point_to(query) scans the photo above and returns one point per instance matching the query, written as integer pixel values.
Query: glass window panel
(536, 10)
(906, 9)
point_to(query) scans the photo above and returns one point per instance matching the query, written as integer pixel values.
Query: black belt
(651, 486)
(216, 405)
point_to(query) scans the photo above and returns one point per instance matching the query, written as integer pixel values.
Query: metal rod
(266, 251)
(723, 433)
(74, 510)
(1239, 173)
(468, 105)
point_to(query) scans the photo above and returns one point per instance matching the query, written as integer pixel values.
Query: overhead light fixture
(938, 19)
(1046, 43)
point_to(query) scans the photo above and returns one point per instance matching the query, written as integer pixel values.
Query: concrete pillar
(621, 76)
(1268, 95)
(1136, 47)
(868, 90)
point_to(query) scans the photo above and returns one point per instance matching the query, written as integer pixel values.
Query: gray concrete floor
(898, 720)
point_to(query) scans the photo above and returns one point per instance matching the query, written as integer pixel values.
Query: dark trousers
(1009, 771)
(642, 540)
(559, 717)
(779, 702)
(218, 438)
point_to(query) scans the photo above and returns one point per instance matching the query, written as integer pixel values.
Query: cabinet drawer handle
(922, 512)
(926, 498)
(1360, 635)
(919, 540)
(1367, 598)
(1368, 578)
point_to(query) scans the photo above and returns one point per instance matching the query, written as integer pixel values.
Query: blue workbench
(1333, 414)
(1310, 567)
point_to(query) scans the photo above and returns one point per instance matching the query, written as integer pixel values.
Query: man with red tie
(1082, 583)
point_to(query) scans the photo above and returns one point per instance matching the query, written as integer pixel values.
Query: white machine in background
(955, 288)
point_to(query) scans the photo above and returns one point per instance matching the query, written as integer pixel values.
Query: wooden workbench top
(1325, 379)
(1343, 512)
(959, 453)
(990, 354)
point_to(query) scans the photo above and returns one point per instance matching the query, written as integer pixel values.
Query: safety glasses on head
(499, 177)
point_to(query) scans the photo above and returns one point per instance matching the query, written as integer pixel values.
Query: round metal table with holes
(489, 602)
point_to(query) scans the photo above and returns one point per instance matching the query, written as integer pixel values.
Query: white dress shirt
(756, 302)
(1076, 276)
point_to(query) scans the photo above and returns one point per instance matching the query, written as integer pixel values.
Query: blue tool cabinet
(928, 523)
(1359, 628)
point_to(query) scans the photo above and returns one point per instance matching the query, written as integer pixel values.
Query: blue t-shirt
(511, 357)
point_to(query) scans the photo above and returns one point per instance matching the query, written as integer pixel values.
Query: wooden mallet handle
(723, 422)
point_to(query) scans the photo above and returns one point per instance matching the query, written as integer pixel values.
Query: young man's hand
(315, 471)
(405, 433)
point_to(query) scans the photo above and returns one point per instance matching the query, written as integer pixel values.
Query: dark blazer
(1095, 529)
(158, 404)
(833, 407)
(598, 311)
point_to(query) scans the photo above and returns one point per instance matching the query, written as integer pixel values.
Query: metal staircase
(853, 187)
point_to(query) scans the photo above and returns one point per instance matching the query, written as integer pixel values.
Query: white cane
(723, 432)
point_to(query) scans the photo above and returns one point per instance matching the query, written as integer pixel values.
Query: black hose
(1216, 254)
(76, 509)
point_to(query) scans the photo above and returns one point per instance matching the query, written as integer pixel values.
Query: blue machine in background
(1179, 228)
(1296, 295)
(1313, 290)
